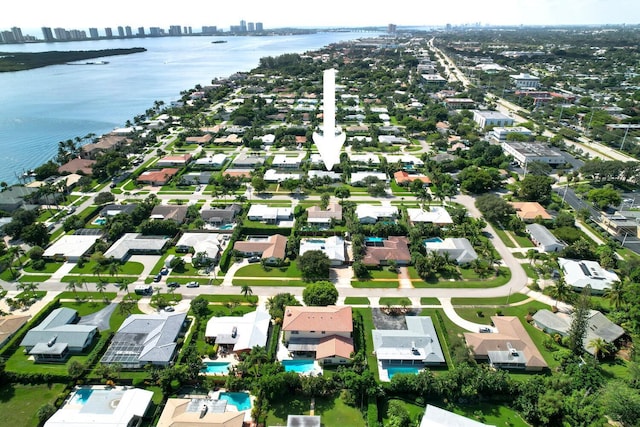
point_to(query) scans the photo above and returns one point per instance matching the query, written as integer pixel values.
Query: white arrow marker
(331, 140)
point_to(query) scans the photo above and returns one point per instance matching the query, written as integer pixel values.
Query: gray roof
(541, 234)
(145, 338)
(418, 342)
(58, 325)
(599, 326)
(113, 209)
(219, 215)
(135, 242)
(303, 421)
(458, 248)
(175, 212)
(16, 194)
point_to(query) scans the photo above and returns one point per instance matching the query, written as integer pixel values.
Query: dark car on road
(254, 259)
(173, 285)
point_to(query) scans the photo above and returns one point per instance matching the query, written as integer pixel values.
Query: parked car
(164, 271)
(157, 277)
(193, 285)
(485, 330)
(254, 259)
(169, 309)
(173, 285)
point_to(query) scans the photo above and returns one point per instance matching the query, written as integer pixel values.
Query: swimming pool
(81, 396)
(316, 241)
(301, 366)
(374, 239)
(218, 368)
(240, 400)
(393, 370)
(434, 240)
(226, 227)
(100, 221)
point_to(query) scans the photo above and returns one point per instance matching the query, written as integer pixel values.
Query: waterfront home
(58, 336)
(104, 144)
(322, 333)
(146, 339)
(78, 165)
(508, 347)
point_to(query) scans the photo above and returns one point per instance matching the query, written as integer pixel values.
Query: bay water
(42, 106)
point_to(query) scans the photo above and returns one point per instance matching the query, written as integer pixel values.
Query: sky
(82, 14)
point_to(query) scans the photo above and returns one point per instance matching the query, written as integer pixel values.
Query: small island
(19, 61)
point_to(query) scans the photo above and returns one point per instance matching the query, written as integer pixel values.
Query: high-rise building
(243, 26)
(391, 28)
(140, 31)
(209, 29)
(128, 31)
(259, 26)
(7, 37)
(175, 30)
(93, 33)
(108, 33)
(47, 34)
(155, 31)
(251, 27)
(61, 33)
(120, 31)
(17, 34)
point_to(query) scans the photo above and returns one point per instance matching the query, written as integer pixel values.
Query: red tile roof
(395, 248)
(330, 319)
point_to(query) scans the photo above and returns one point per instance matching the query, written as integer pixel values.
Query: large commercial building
(525, 81)
(486, 118)
(527, 152)
(499, 134)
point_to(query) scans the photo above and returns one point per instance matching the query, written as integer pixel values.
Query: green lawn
(490, 301)
(96, 296)
(19, 403)
(503, 236)
(26, 278)
(49, 267)
(335, 412)
(523, 241)
(267, 282)
(256, 270)
(383, 274)
(231, 298)
(85, 307)
(357, 300)
(96, 279)
(128, 268)
(531, 273)
(490, 282)
(384, 301)
(429, 301)
(367, 322)
(372, 284)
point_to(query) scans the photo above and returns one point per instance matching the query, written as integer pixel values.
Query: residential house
(70, 247)
(58, 336)
(402, 177)
(221, 216)
(286, 162)
(239, 334)
(365, 158)
(417, 345)
(271, 249)
(146, 339)
(544, 240)
(78, 165)
(393, 139)
(318, 216)
(487, 118)
(200, 243)
(271, 175)
(379, 251)
(323, 333)
(510, 347)
(433, 80)
(157, 177)
(196, 178)
(15, 197)
(102, 406)
(406, 160)
(11, 324)
(580, 273)
(598, 326)
(437, 417)
(212, 162)
(359, 178)
(269, 214)
(174, 160)
(370, 214)
(530, 211)
(200, 140)
(136, 243)
(333, 247)
(105, 143)
(436, 215)
(199, 412)
(248, 161)
(177, 213)
(113, 209)
(457, 248)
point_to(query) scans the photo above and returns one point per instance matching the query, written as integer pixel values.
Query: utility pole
(624, 138)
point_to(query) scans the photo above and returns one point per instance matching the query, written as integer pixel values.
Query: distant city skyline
(81, 15)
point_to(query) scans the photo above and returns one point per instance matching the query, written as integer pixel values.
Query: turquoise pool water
(374, 239)
(301, 366)
(242, 401)
(393, 370)
(318, 241)
(81, 396)
(226, 227)
(220, 368)
(434, 240)
(100, 221)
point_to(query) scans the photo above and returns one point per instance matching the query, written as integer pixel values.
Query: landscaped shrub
(372, 412)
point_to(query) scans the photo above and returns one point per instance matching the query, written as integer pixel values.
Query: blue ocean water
(40, 107)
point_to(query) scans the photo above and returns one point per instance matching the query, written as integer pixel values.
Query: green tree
(324, 200)
(75, 369)
(277, 303)
(603, 197)
(536, 188)
(622, 403)
(561, 291)
(246, 291)
(600, 347)
(320, 294)
(104, 197)
(342, 193)
(494, 208)
(579, 322)
(35, 234)
(45, 412)
(314, 266)
(200, 307)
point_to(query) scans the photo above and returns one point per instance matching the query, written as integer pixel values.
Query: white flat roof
(70, 246)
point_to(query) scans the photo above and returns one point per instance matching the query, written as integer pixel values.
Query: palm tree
(246, 291)
(561, 292)
(532, 254)
(615, 294)
(101, 286)
(123, 286)
(600, 347)
(113, 268)
(73, 287)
